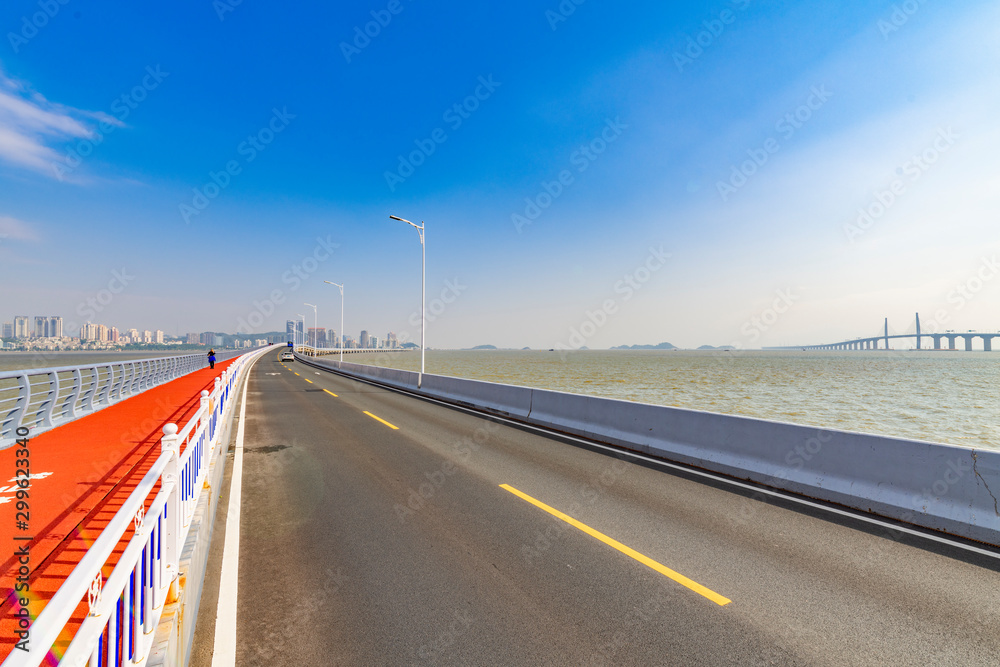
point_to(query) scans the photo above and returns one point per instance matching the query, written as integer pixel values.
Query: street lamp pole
(303, 327)
(423, 291)
(340, 343)
(315, 327)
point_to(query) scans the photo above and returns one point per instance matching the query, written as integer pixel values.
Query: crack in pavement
(996, 510)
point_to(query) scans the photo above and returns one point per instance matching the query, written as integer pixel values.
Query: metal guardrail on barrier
(125, 610)
(43, 398)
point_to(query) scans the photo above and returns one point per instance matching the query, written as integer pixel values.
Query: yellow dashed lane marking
(394, 428)
(628, 551)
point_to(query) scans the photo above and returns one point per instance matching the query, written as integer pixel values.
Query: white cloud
(29, 124)
(12, 228)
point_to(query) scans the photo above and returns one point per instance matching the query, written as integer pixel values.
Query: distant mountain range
(661, 346)
(668, 346)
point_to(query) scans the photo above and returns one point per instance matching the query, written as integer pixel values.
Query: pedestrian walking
(211, 358)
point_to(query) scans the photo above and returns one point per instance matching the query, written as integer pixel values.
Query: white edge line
(689, 470)
(224, 652)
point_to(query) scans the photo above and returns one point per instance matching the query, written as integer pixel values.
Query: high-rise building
(373, 342)
(115, 335)
(95, 332)
(317, 336)
(364, 340)
(391, 341)
(41, 326)
(208, 338)
(8, 330)
(158, 337)
(192, 339)
(21, 326)
(290, 328)
(331, 339)
(55, 327)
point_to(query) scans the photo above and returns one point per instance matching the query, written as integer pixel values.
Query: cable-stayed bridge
(881, 342)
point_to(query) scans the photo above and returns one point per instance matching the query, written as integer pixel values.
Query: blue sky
(724, 173)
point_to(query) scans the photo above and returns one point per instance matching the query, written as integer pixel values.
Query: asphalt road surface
(381, 529)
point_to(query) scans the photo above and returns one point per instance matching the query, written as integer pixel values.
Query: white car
(287, 356)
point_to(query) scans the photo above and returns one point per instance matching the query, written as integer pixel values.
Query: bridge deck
(82, 473)
(374, 530)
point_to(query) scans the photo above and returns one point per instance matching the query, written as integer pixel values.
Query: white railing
(124, 611)
(43, 398)
(310, 351)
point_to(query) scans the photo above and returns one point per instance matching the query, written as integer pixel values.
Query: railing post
(49, 405)
(217, 395)
(116, 385)
(20, 407)
(72, 411)
(170, 443)
(206, 415)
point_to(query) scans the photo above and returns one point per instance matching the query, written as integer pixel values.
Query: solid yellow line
(631, 553)
(330, 392)
(308, 380)
(394, 428)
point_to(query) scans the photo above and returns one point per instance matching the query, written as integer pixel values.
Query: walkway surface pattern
(82, 473)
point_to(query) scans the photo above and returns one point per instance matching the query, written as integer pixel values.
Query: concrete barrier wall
(390, 376)
(936, 486)
(941, 487)
(503, 399)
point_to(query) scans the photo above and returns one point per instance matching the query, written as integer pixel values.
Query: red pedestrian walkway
(82, 472)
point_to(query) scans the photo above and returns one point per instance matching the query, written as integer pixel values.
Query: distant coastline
(659, 346)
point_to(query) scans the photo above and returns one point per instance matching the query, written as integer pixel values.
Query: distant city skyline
(744, 174)
(294, 330)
